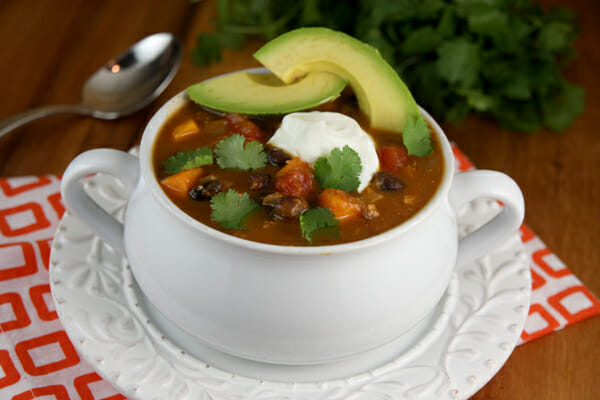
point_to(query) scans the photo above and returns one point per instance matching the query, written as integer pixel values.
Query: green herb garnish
(316, 220)
(230, 209)
(234, 152)
(188, 159)
(499, 58)
(208, 46)
(417, 137)
(339, 170)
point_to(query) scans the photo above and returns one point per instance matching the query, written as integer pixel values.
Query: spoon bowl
(123, 86)
(131, 81)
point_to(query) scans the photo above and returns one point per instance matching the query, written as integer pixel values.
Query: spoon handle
(15, 121)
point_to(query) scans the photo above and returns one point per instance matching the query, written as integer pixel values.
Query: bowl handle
(119, 164)
(468, 186)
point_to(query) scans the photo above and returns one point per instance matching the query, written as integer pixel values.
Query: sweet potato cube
(182, 182)
(186, 130)
(342, 204)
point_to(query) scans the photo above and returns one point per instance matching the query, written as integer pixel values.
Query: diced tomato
(392, 158)
(295, 179)
(241, 124)
(342, 204)
(186, 130)
(182, 182)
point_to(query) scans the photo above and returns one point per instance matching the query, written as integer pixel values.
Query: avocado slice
(254, 94)
(381, 94)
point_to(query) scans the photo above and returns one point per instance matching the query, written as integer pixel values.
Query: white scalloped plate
(451, 354)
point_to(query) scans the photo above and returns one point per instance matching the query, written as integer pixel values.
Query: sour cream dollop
(310, 135)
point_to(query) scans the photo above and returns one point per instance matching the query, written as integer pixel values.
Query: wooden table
(49, 48)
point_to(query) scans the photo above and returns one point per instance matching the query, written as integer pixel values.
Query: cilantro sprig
(231, 208)
(188, 159)
(234, 152)
(417, 137)
(503, 59)
(339, 170)
(316, 220)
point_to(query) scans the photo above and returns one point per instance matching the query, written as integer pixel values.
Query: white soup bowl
(285, 304)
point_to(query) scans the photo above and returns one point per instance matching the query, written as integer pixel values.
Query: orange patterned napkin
(37, 359)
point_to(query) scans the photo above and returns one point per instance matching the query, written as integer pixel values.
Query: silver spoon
(124, 85)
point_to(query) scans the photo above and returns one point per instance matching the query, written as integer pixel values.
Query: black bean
(285, 207)
(206, 190)
(386, 182)
(277, 157)
(260, 181)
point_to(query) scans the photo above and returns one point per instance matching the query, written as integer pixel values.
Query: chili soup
(283, 191)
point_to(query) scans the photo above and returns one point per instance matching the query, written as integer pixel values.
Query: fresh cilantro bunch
(188, 159)
(339, 170)
(501, 58)
(234, 152)
(236, 19)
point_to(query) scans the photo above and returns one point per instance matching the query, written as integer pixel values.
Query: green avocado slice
(381, 94)
(254, 94)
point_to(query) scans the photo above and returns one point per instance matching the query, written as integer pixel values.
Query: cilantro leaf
(522, 117)
(458, 61)
(230, 209)
(421, 40)
(487, 20)
(560, 111)
(207, 49)
(477, 99)
(555, 36)
(188, 159)
(417, 137)
(231, 40)
(318, 219)
(429, 8)
(232, 153)
(447, 22)
(339, 170)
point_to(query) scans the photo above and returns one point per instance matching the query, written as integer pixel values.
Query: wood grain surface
(50, 47)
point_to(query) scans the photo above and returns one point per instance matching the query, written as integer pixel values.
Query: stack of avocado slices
(311, 66)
